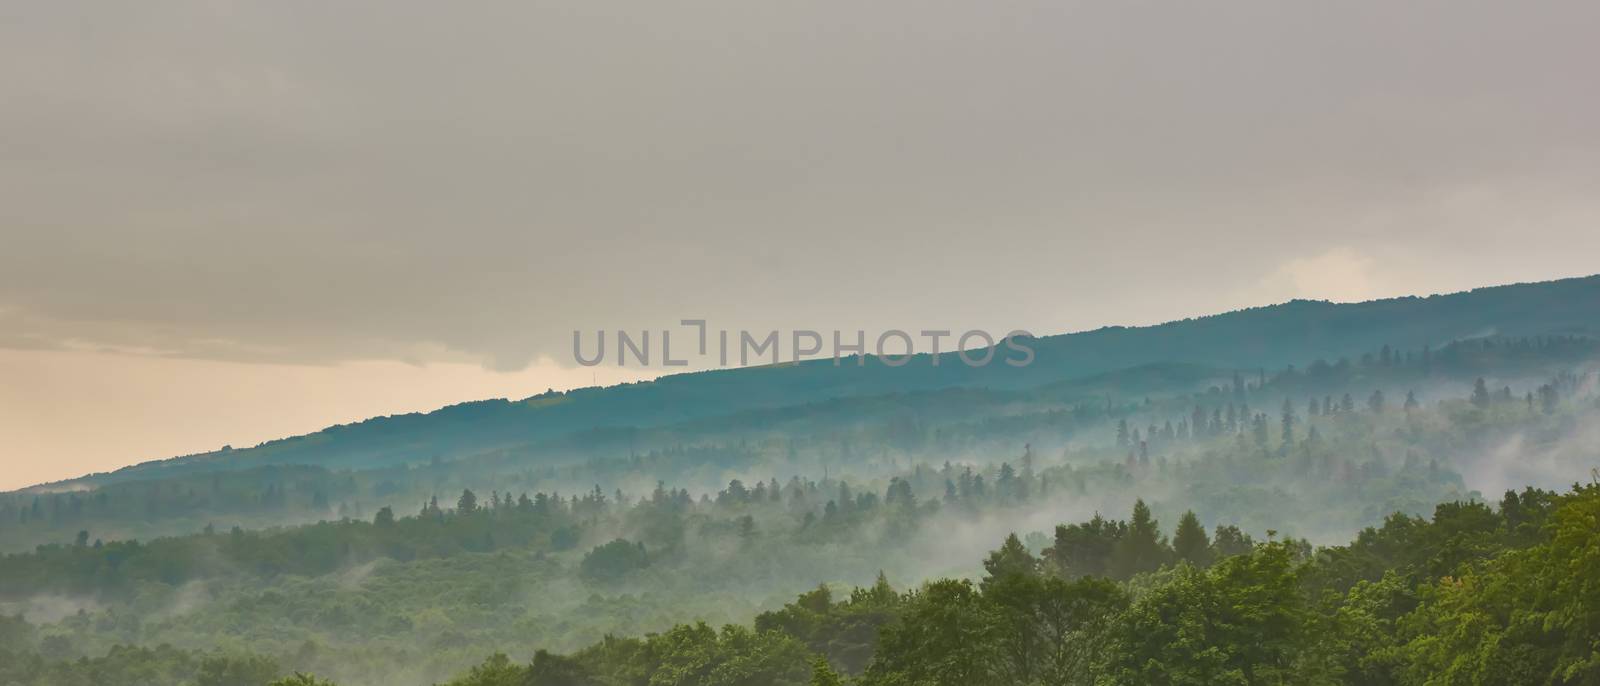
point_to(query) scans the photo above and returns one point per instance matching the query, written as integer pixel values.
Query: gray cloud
(303, 181)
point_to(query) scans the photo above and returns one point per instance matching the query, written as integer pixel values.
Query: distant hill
(1263, 337)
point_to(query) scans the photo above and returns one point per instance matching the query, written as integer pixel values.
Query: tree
(1005, 485)
(549, 669)
(900, 496)
(1549, 398)
(944, 636)
(1480, 393)
(1228, 541)
(1189, 541)
(1522, 616)
(1288, 425)
(613, 560)
(747, 529)
(1142, 548)
(1012, 588)
(467, 503)
(1084, 549)
(1243, 621)
(823, 675)
(1011, 560)
(1072, 617)
(498, 670)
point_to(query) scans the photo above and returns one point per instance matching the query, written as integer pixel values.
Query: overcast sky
(224, 222)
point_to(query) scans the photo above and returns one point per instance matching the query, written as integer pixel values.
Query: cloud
(315, 183)
(1340, 275)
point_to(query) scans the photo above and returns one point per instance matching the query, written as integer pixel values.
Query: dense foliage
(1518, 602)
(613, 559)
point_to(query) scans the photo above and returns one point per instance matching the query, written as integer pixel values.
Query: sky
(225, 222)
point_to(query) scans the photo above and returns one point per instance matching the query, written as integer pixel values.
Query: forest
(732, 343)
(1406, 515)
(1473, 595)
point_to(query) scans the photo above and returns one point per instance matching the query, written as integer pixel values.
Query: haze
(226, 222)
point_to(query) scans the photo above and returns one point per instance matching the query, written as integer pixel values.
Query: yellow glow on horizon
(64, 414)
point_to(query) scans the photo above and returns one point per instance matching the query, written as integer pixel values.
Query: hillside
(569, 537)
(1263, 337)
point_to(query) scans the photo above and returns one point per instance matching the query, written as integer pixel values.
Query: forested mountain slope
(1264, 337)
(416, 573)
(858, 437)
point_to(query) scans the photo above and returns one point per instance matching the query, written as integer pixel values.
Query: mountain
(1272, 337)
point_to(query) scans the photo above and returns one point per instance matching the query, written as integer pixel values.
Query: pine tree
(1005, 485)
(1549, 398)
(1288, 424)
(1190, 541)
(1480, 393)
(1141, 548)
